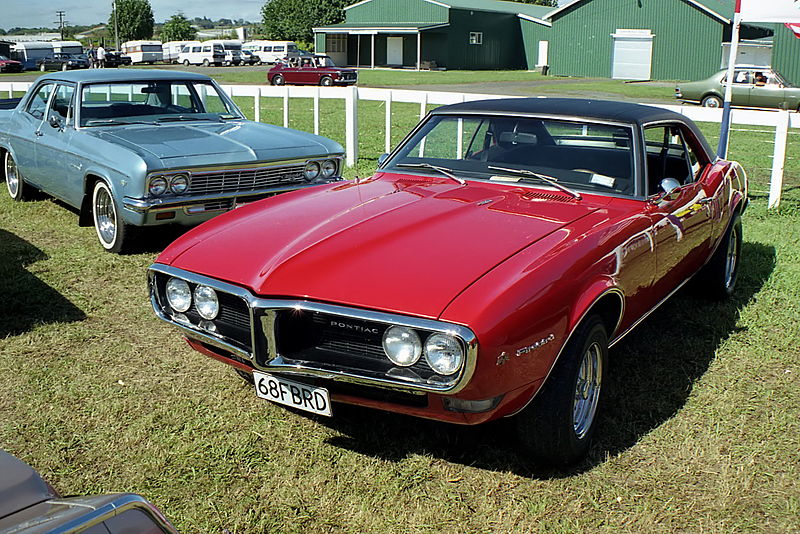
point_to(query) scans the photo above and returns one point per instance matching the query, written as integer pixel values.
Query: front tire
(112, 231)
(718, 277)
(278, 80)
(17, 189)
(557, 426)
(205, 63)
(185, 62)
(326, 81)
(712, 101)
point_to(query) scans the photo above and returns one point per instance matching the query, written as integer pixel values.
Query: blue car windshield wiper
(175, 118)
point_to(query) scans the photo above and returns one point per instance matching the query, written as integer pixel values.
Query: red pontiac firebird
(482, 272)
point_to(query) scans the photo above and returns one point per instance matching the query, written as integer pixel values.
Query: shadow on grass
(651, 374)
(27, 301)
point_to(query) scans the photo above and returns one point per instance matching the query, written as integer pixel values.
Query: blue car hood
(201, 143)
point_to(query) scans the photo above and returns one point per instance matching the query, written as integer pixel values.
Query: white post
(351, 126)
(257, 104)
(778, 159)
(460, 135)
(285, 106)
(725, 127)
(11, 90)
(419, 50)
(316, 111)
(423, 105)
(388, 121)
(372, 58)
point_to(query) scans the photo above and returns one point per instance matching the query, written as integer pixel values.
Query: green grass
(700, 430)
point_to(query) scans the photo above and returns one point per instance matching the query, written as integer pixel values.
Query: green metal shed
(642, 39)
(786, 54)
(452, 34)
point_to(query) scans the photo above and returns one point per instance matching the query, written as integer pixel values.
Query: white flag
(770, 10)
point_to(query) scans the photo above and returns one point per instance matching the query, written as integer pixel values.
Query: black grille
(235, 180)
(345, 342)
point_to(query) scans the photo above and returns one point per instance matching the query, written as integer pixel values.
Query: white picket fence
(781, 120)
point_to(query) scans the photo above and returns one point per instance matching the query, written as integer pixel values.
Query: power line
(61, 22)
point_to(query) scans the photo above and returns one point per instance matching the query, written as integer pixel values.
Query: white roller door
(633, 55)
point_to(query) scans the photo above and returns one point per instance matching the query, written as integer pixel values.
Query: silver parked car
(131, 148)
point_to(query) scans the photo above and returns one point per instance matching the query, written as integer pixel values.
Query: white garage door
(633, 55)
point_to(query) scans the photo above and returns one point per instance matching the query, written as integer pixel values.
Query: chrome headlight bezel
(328, 168)
(158, 186)
(179, 183)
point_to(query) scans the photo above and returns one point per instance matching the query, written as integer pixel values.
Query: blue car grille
(234, 180)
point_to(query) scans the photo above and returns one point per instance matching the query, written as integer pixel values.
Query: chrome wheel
(732, 257)
(105, 215)
(12, 176)
(587, 390)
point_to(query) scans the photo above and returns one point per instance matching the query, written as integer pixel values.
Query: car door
(27, 128)
(767, 92)
(682, 219)
(59, 165)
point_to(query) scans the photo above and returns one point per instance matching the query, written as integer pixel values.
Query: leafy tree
(178, 28)
(293, 19)
(135, 18)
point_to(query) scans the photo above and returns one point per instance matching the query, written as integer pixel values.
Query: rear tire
(712, 101)
(718, 278)
(185, 62)
(17, 189)
(557, 426)
(42, 68)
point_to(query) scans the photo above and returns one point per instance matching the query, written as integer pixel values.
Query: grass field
(700, 430)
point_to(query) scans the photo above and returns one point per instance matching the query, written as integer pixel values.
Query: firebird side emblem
(354, 327)
(530, 348)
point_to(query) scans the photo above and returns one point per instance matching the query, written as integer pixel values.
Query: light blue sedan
(134, 148)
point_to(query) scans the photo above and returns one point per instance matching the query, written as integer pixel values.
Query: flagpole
(725, 127)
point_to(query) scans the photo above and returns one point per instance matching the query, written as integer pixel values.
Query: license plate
(291, 393)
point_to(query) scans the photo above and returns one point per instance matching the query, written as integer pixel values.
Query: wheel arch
(85, 214)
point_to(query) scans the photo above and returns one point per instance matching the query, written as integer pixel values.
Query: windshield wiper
(115, 122)
(444, 170)
(183, 118)
(543, 177)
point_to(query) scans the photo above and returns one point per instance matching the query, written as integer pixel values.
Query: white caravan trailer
(143, 51)
(29, 52)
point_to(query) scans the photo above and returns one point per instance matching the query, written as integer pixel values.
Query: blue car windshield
(104, 104)
(571, 153)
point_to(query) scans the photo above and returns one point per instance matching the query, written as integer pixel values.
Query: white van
(272, 51)
(29, 53)
(172, 49)
(143, 51)
(206, 54)
(232, 48)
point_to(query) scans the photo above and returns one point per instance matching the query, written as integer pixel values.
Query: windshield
(578, 155)
(154, 101)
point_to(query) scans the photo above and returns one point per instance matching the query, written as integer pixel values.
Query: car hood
(392, 243)
(207, 142)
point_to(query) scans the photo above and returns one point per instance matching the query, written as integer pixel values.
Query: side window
(669, 156)
(743, 77)
(38, 102)
(62, 104)
(267, 49)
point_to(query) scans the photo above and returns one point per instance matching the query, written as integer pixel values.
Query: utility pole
(61, 22)
(116, 28)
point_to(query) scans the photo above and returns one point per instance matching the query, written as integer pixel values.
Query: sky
(36, 13)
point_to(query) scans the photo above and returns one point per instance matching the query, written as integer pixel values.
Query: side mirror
(382, 159)
(54, 121)
(669, 190)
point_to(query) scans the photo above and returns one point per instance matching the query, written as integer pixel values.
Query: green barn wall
(687, 42)
(388, 11)
(502, 46)
(786, 54)
(532, 33)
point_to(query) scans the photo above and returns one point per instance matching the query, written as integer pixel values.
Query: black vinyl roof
(597, 110)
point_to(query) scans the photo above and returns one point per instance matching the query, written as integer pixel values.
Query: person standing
(101, 57)
(92, 57)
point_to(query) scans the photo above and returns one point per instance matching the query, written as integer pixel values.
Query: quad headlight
(158, 186)
(206, 302)
(402, 346)
(328, 168)
(179, 184)
(179, 295)
(444, 354)
(312, 170)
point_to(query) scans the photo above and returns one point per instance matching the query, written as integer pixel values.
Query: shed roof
(721, 10)
(497, 6)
